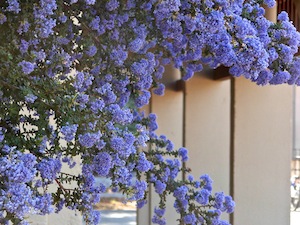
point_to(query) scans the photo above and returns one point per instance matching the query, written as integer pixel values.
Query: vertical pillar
(169, 111)
(262, 144)
(271, 13)
(262, 153)
(144, 214)
(208, 129)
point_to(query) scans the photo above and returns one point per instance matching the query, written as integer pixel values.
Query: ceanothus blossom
(102, 163)
(91, 66)
(49, 168)
(88, 140)
(2, 133)
(69, 131)
(30, 98)
(27, 67)
(13, 6)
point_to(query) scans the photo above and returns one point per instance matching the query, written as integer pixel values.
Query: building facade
(239, 133)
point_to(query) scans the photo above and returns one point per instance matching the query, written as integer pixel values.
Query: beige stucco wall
(205, 128)
(64, 217)
(169, 111)
(297, 118)
(256, 168)
(262, 146)
(262, 149)
(208, 129)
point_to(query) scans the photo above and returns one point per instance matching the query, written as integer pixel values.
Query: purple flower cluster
(69, 132)
(183, 153)
(27, 67)
(123, 146)
(143, 164)
(30, 98)
(88, 140)
(2, 133)
(102, 163)
(49, 168)
(158, 216)
(18, 171)
(13, 6)
(93, 67)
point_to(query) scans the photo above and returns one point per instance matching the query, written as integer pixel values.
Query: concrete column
(169, 111)
(297, 118)
(208, 129)
(271, 13)
(262, 153)
(144, 214)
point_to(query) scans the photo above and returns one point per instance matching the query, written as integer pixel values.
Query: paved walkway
(128, 217)
(117, 217)
(295, 217)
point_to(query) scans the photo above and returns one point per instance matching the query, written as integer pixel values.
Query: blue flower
(30, 98)
(44, 204)
(189, 219)
(69, 132)
(202, 197)
(190, 177)
(18, 199)
(112, 5)
(183, 153)
(97, 105)
(229, 204)
(88, 140)
(82, 99)
(63, 18)
(141, 203)
(143, 164)
(140, 189)
(280, 77)
(158, 220)
(83, 81)
(159, 211)
(120, 116)
(3, 18)
(49, 168)
(24, 45)
(206, 182)
(24, 27)
(27, 67)
(160, 187)
(90, 2)
(92, 216)
(152, 122)
(91, 51)
(283, 16)
(102, 163)
(136, 45)
(219, 198)
(143, 99)
(13, 6)
(180, 192)
(118, 56)
(46, 28)
(48, 6)
(270, 3)
(160, 89)
(2, 133)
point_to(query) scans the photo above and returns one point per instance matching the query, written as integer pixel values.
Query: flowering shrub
(89, 66)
